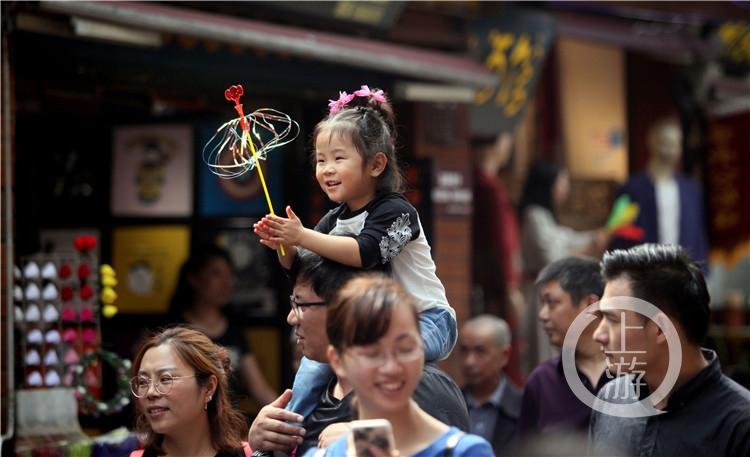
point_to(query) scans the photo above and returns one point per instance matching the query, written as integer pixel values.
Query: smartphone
(371, 438)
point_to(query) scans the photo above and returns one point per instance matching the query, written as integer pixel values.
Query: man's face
(482, 360)
(309, 323)
(557, 311)
(623, 334)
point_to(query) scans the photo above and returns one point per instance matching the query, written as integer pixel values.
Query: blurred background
(106, 108)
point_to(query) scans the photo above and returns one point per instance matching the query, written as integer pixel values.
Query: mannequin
(671, 204)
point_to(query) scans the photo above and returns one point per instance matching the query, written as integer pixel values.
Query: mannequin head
(665, 142)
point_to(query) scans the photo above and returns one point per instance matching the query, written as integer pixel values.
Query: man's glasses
(140, 385)
(298, 306)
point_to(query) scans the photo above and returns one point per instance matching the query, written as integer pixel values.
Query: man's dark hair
(665, 276)
(578, 277)
(324, 276)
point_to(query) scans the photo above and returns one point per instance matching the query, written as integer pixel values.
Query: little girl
(373, 227)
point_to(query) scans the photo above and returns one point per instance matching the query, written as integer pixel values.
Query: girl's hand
(285, 231)
(261, 229)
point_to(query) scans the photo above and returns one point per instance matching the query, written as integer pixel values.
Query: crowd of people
(371, 318)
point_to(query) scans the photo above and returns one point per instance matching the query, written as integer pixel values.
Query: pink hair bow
(337, 105)
(365, 91)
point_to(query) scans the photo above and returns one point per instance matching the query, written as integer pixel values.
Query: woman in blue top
(376, 348)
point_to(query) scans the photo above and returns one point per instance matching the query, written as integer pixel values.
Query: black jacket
(505, 435)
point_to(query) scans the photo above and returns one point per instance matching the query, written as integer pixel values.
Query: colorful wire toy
(238, 145)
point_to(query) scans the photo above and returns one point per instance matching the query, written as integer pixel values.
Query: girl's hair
(361, 311)
(539, 184)
(371, 126)
(183, 297)
(228, 426)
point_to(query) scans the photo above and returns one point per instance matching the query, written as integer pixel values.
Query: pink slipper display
(71, 357)
(68, 314)
(88, 335)
(87, 314)
(70, 336)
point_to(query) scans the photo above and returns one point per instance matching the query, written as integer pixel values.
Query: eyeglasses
(140, 385)
(298, 306)
(378, 358)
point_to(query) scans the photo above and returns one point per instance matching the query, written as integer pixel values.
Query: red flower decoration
(66, 293)
(86, 292)
(233, 93)
(84, 271)
(64, 271)
(84, 243)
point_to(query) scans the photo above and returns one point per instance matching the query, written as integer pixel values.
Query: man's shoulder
(439, 396)
(512, 399)
(512, 390)
(736, 397)
(436, 382)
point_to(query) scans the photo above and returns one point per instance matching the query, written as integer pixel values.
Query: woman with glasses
(376, 348)
(182, 405)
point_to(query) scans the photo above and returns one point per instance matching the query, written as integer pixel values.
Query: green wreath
(87, 402)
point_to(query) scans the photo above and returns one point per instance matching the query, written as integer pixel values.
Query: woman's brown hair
(227, 424)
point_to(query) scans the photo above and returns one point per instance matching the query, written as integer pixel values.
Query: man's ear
(588, 300)
(378, 164)
(334, 359)
(505, 356)
(661, 322)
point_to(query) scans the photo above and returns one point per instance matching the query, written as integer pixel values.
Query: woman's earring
(205, 406)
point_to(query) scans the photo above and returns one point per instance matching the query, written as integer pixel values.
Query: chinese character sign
(513, 47)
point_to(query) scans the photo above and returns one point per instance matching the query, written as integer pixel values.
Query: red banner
(729, 186)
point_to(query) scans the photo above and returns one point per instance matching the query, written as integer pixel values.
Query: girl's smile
(341, 172)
